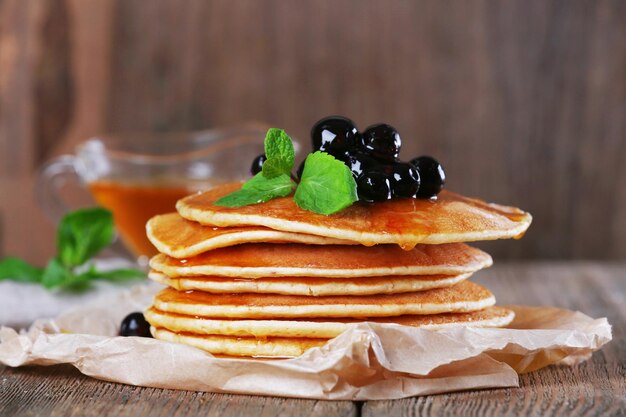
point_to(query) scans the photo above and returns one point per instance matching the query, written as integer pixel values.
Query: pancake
(462, 297)
(319, 328)
(407, 222)
(181, 238)
(241, 346)
(264, 260)
(310, 286)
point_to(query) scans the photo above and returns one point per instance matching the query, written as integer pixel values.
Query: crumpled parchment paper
(368, 362)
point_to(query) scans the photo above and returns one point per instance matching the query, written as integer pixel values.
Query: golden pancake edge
(274, 347)
(321, 327)
(406, 222)
(180, 238)
(310, 286)
(462, 297)
(328, 261)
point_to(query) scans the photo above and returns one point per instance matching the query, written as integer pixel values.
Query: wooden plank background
(523, 101)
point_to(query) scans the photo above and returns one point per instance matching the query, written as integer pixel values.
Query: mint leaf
(82, 234)
(18, 270)
(279, 152)
(278, 145)
(115, 275)
(326, 186)
(56, 274)
(273, 168)
(258, 189)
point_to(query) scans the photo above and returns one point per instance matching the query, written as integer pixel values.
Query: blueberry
(342, 156)
(257, 164)
(335, 135)
(360, 162)
(300, 170)
(404, 179)
(135, 325)
(382, 141)
(432, 175)
(373, 186)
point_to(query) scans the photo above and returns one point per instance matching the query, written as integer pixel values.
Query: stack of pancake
(273, 280)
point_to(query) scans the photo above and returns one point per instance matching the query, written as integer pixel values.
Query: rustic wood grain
(20, 50)
(523, 101)
(36, 87)
(91, 49)
(53, 93)
(61, 391)
(54, 63)
(20, 217)
(19, 21)
(594, 388)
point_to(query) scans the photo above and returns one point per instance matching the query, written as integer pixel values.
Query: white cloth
(21, 304)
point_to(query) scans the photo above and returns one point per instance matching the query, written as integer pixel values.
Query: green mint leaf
(18, 270)
(273, 168)
(279, 152)
(82, 234)
(77, 283)
(327, 185)
(56, 274)
(115, 275)
(258, 189)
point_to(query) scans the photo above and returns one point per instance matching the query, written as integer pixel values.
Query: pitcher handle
(50, 179)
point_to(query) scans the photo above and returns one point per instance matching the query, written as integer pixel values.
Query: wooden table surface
(594, 388)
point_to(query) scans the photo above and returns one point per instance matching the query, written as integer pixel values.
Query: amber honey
(133, 204)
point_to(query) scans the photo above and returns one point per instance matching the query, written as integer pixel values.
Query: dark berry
(257, 164)
(335, 135)
(300, 170)
(343, 157)
(135, 325)
(361, 162)
(432, 175)
(373, 186)
(405, 180)
(382, 141)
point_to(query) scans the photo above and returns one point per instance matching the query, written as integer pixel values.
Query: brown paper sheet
(369, 362)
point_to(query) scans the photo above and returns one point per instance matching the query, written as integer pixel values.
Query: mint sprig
(81, 235)
(274, 180)
(326, 186)
(258, 189)
(279, 152)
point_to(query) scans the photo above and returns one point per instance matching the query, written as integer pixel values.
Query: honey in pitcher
(133, 204)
